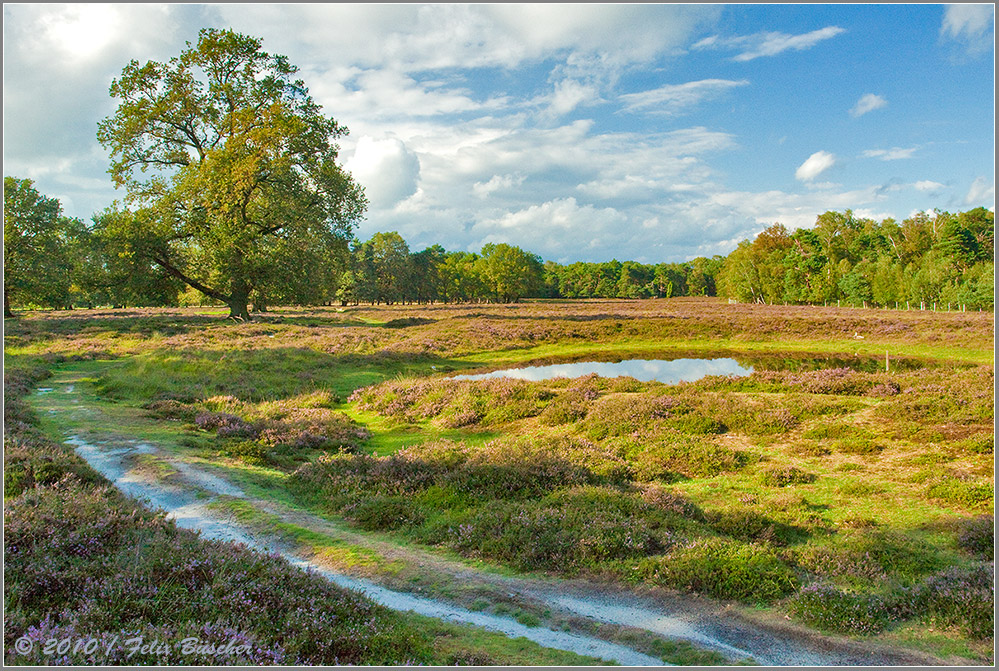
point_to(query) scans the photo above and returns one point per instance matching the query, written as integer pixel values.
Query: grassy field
(854, 500)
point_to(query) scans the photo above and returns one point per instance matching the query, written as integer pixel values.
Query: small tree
(228, 161)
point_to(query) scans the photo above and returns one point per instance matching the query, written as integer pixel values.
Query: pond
(645, 370)
(675, 370)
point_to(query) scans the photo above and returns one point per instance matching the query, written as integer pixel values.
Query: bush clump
(960, 597)
(671, 456)
(723, 569)
(784, 476)
(977, 536)
(830, 608)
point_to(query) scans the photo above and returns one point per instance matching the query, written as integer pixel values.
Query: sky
(646, 132)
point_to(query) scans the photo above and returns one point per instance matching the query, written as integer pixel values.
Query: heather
(852, 498)
(84, 563)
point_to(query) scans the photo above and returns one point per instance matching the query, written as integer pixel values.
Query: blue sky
(586, 132)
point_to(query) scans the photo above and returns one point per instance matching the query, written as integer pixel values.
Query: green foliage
(841, 611)
(245, 181)
(943, 258)
(509, 272)
(783, 476)
(39, 246)
(723, 569)
(977, 536)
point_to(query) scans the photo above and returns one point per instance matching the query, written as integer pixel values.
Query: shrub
(748, 525)
(961, 597)
(982, 443)
(966, 493)
(783, 476)
(380, 513)
(646, 413)
(822, 605)
(748, 414)
(977, 536)
(858, 446)
(250, 451)
(723, 569)
(668, 500)
(171, 409)
(566, 531)
(669, 455)
(872, 555)
(566, 409)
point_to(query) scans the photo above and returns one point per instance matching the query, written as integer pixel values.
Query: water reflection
(645, 370)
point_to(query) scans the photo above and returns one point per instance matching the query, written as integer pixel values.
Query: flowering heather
(977, 536)
(83, 561)
(825, 606)
(961, 597)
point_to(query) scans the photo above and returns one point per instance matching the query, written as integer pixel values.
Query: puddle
(672, 370)
(644, 370)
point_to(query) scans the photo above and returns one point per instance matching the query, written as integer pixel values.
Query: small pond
(645, 370)
(670, 370)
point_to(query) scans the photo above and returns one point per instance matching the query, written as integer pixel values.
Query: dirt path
(593, 613)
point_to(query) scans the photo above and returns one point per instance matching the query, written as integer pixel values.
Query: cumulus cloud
(415, 38)
(981, 194)
(569, 94)
(497, 183)
(675, 99)
(928, 186)
(868, 103)
(386, 168)
(814, 166)
(972, 25)
(768, 43)
(893, 154)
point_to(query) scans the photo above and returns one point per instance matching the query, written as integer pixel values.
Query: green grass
(797, 464)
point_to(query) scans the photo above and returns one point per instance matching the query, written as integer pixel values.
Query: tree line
(60, 262)
(930, 258)
(234, 196)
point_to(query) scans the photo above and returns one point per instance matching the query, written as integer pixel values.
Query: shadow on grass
(256, 375)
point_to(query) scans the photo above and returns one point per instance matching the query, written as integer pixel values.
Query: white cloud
(868, 103)
(893, 154)
(769, 43)
(981, 194)
(386, 168)
(568, 95)
(928, 186)
(675, 99)
(497, 183)
(414, 38)
(972, 25)
(814, 166)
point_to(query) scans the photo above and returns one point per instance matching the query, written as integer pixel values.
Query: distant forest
(938, 258)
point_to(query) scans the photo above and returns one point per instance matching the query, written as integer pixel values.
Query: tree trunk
(238, 301)
(238, 309)
(6, 305)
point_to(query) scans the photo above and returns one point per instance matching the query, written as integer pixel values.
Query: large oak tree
(228, 163)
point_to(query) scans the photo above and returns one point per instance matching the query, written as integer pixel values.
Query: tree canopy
(231, 170)
(38, 242)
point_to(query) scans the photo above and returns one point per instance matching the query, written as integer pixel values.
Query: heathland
(844, 487)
